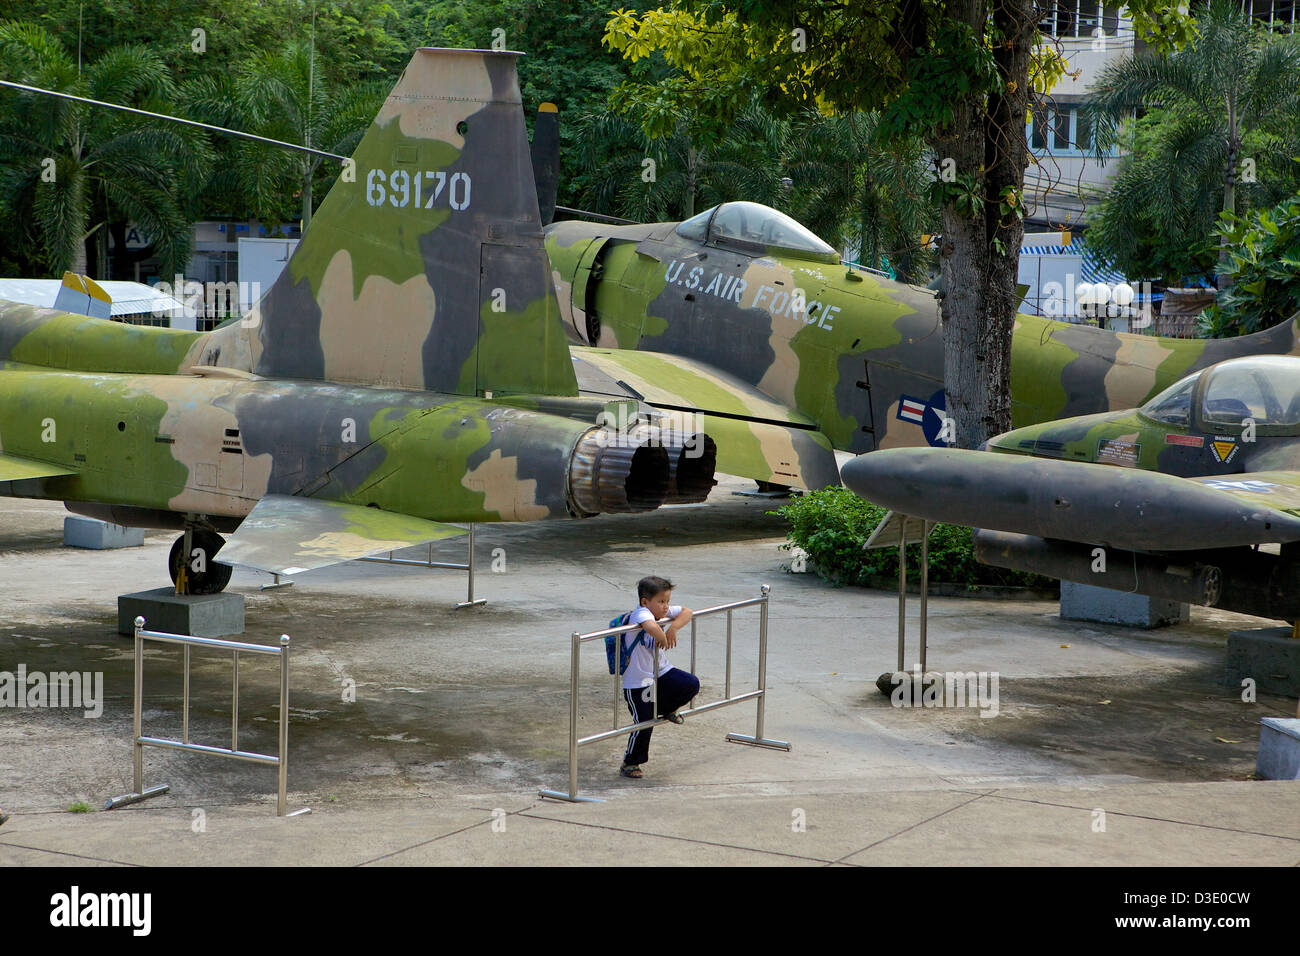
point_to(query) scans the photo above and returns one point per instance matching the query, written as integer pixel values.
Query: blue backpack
(613, 641)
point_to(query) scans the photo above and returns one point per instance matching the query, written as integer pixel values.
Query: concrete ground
(1110, 746)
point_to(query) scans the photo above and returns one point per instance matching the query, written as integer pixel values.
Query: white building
(1065, 173)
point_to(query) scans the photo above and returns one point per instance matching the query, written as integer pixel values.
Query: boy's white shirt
(640, 664)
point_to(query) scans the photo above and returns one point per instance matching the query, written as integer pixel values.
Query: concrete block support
(1279, 749)
(199, 615)
(1083, 602)
(1269, 656)
(79, 532)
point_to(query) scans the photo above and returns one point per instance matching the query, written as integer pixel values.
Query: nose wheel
(192, 566)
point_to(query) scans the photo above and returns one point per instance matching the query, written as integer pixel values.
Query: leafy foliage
(1156, 219)
(1220, 138)
(282, 94)
(833, 525)
(956, 75)
(67, 169)
(1265, 253)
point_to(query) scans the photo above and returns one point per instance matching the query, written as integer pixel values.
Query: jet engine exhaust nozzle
(612, 473)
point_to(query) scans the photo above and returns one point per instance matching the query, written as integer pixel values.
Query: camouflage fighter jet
(407, 369)
(1173, 499)
(743, 314)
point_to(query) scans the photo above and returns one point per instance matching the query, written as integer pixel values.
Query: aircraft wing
(13, 468)
(1275, 490)
(286, 534)
(757, 437)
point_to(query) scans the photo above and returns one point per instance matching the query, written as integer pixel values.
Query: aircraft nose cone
(1073, 501)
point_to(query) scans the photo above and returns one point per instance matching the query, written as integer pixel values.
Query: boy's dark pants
(676, 688)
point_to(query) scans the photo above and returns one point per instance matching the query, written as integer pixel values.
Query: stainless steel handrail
(468, 566)
(140, 741)
(576, 640)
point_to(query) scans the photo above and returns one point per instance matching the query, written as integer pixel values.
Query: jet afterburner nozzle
(610, 472)
(692, 456)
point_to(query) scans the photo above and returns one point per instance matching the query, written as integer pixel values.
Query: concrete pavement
(421, 734)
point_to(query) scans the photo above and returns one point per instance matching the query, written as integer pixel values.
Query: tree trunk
(980, 253)
(692, 158)
(306, 201)
(1222, 280)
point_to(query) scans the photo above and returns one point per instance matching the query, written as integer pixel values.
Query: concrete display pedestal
(98, 535)
(1270, 656)
(1279, 749)
(1083, 602)
(198, 615)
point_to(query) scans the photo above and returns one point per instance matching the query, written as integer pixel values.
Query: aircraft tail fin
(546, 159)
(424, 266)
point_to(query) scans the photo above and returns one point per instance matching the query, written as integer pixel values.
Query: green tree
(957, 73)
(69, 170)
(1231, 109)
(282, 95)
(1156, 218)
(564, 61)
(855, 187)
(671, 177)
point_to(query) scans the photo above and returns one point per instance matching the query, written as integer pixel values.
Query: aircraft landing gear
(191, 563)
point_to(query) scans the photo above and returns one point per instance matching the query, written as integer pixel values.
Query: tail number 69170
(401, 189)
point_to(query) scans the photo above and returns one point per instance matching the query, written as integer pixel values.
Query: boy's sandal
(675, 718)
(630, 770)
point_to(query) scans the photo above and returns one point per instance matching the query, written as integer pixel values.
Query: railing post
(469, 567)
(728, 686)
(758, 740)
(925, 582)
(470, 562)
(185, 698)
(234, 703)
(280, 805)
(762, 661)
(902, 591)
(692, 650)
(137, 756)
(654, 688)
(575, 649)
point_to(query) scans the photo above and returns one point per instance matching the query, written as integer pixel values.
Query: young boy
(676, 687)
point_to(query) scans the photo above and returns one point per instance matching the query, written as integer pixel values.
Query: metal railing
(141, 741)
(576, 641)
(469, 601)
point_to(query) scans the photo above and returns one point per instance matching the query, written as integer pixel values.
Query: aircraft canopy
(1262, 388)
(755, 223)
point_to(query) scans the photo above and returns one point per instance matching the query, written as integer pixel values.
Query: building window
(1278, 15)
(1061, 131)
(1082, 18)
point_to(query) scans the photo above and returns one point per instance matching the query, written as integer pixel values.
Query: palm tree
(857, 188)
(1236, 84)
(283, 95)
(69, 169)
(834, 174)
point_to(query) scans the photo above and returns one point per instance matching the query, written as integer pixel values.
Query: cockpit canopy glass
(1174, 404)
(1263, 388)
(755, 223)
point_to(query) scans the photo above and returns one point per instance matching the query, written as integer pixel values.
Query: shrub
(1265, 270)
(833, 525)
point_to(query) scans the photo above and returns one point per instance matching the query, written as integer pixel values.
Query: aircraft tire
(215, 576)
